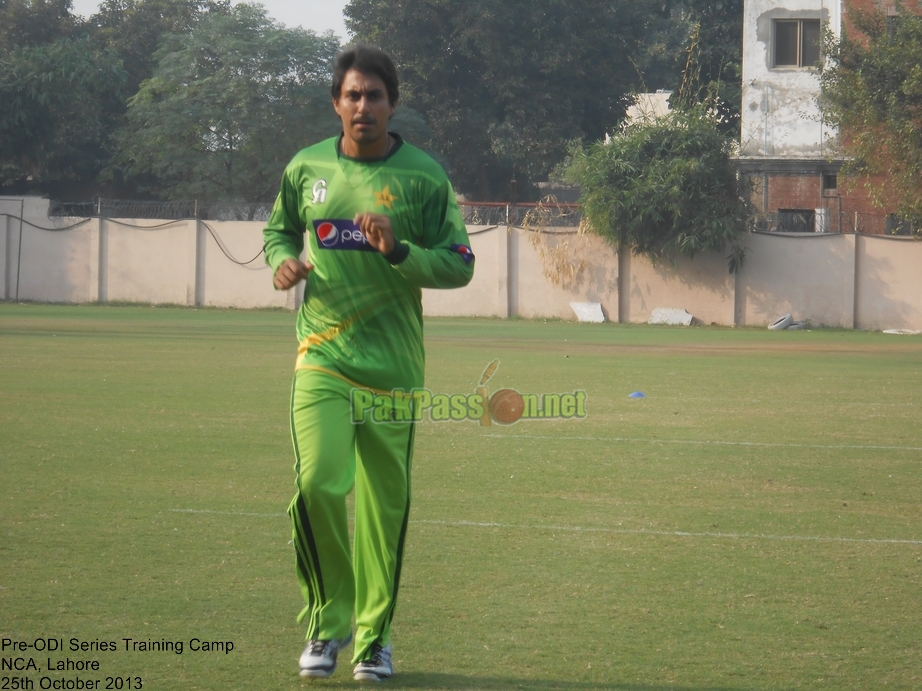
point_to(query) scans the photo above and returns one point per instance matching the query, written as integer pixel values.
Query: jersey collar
(398, 142)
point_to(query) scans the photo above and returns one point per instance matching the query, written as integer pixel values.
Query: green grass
(754, 523)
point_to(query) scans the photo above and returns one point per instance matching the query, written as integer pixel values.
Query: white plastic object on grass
(781, 323)
(671, 316)
(588, 312)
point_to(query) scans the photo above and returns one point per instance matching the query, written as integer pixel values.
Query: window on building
(893, 21)
(796, 220)
(796, 42)
(894, 225)
(830, 182)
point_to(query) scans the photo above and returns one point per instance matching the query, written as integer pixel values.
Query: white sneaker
(319, 657)
(378, 667)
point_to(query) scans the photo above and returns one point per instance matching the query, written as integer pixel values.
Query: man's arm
(283, 239)
(446, 261)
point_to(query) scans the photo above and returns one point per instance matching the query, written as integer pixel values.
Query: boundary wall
(867, 282)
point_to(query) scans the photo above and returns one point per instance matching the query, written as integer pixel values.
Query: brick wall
(847, 207)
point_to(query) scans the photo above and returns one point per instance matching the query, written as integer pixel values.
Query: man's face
(364, 109)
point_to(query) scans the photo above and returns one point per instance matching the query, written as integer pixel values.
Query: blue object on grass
(637, 394)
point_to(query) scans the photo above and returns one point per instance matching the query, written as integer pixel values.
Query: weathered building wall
(785, 148)
(780, 117)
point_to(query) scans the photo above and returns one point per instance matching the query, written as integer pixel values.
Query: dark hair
(367, 60)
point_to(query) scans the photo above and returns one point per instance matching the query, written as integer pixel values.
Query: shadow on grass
(459, 682)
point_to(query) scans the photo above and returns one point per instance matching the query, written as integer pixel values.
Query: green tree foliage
(133, 29)
(699, 46)
(56, 93)
(230, 102)
(871, 92)
(665, 188)
(504, 84)
(25, 23)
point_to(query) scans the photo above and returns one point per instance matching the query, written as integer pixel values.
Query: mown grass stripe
(710, 442)
(602, 529)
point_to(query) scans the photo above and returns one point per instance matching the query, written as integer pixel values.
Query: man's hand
(377, 230)
(290, 273)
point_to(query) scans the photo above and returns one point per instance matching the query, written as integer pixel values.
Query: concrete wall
(888, 284)
(866, 282)
(487, 294)
(809, 275)
(184, 262)
(702, 286)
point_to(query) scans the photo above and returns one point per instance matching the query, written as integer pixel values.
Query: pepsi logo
(340, 234)
(327, 233)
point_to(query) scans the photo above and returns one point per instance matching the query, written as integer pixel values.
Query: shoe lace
(378, 655)
(318, 647)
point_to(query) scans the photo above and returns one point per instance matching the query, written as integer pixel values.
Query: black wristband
(398, 254)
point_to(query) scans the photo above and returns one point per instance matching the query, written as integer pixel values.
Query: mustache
(364, 121)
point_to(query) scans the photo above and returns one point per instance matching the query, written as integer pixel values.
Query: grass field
(755, 522)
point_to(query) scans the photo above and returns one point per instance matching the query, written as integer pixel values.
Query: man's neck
(376, 149)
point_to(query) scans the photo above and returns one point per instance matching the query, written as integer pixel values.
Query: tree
(56, 107)
(871, 93)
(230, 102)
(28, 23)
(505, 84)
(134, 28)
(64, 83)
(54, 91)
(665, 188)
(699, 46)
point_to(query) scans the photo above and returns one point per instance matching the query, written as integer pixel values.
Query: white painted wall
(888, 280)
(780, 116)
(866, 282)
(809, 275)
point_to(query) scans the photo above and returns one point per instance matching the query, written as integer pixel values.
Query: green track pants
(331, 456)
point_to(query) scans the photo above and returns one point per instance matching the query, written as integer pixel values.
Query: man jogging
(380, 222)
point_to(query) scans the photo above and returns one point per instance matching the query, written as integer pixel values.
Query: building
(787, 152)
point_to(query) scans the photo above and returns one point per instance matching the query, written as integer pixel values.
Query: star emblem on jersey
(385, 198)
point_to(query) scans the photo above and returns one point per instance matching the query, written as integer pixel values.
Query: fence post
(200, 237)
(856, 288)
(624, 283)
(22, 203)
(7, 251)
(510, 240)
(102, 261)
(5, 267)
(503, 262)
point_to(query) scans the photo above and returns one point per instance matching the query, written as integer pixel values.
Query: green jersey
(361, 318)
